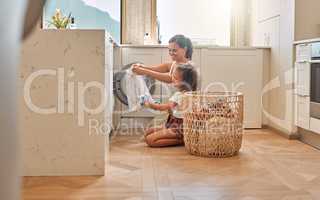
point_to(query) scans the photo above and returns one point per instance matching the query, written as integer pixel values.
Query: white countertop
(195, 46)
(307, 41)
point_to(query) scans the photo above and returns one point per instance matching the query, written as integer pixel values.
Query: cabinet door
(235, 70)
(149, 56)
(268, 9)
(270, 32)
(303, 52)
(302, 112)
(315, 125)
(302, 78)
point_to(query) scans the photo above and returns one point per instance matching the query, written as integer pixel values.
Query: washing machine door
(118, 84)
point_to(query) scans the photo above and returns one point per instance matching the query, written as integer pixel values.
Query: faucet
(158, 31)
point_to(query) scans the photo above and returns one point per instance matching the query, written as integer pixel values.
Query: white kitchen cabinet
(268, 9)
(268, 32)
(149, 56)
(276, 30)
(303, 53)
(302, 73)
(271, 36)
(302, 115)
(236, 70)
(314, 125)
(302, 78)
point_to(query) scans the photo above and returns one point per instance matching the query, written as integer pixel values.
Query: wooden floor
(268, 167)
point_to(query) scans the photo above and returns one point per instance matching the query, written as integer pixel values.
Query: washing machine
(124, 118)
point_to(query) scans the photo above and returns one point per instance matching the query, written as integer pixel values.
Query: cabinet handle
(303, 95)
(304, 44)
(303, 61)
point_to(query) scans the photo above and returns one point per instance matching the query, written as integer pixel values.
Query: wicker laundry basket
(213, 123)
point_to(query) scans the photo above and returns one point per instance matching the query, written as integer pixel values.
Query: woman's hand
(159, 72)
(138, 69)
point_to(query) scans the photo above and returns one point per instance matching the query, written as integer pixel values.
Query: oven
(315, 81)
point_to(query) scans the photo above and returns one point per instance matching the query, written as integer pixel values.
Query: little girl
(184, 78)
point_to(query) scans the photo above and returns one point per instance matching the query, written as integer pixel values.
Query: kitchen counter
(220, 68)
(307, 41)
(195, 46)
(60, 141)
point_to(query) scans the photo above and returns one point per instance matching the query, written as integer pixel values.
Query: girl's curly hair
(189, 77)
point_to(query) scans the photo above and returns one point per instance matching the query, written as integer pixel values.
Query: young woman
(180, 51)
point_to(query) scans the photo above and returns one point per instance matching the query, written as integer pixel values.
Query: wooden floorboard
(267, 167)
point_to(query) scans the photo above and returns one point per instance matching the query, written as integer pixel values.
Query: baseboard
(293, 136)
(309, 138)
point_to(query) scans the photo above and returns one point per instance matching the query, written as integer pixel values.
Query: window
(204, 21)
(88, 14)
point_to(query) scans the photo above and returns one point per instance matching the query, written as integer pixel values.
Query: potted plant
(59, 21)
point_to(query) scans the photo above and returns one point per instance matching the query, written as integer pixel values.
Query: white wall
(307, 19)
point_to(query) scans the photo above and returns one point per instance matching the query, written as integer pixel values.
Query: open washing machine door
(118, 84)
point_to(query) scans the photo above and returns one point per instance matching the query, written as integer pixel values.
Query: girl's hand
(160, 107)
(147, 104)
(138, 69)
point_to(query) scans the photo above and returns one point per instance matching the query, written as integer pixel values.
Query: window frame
(42, 19)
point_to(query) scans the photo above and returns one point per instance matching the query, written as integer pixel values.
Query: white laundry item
(135, 88)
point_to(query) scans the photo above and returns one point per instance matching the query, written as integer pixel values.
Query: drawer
(315, 125)
(302, 78)
(303, 112)
(303, 52)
